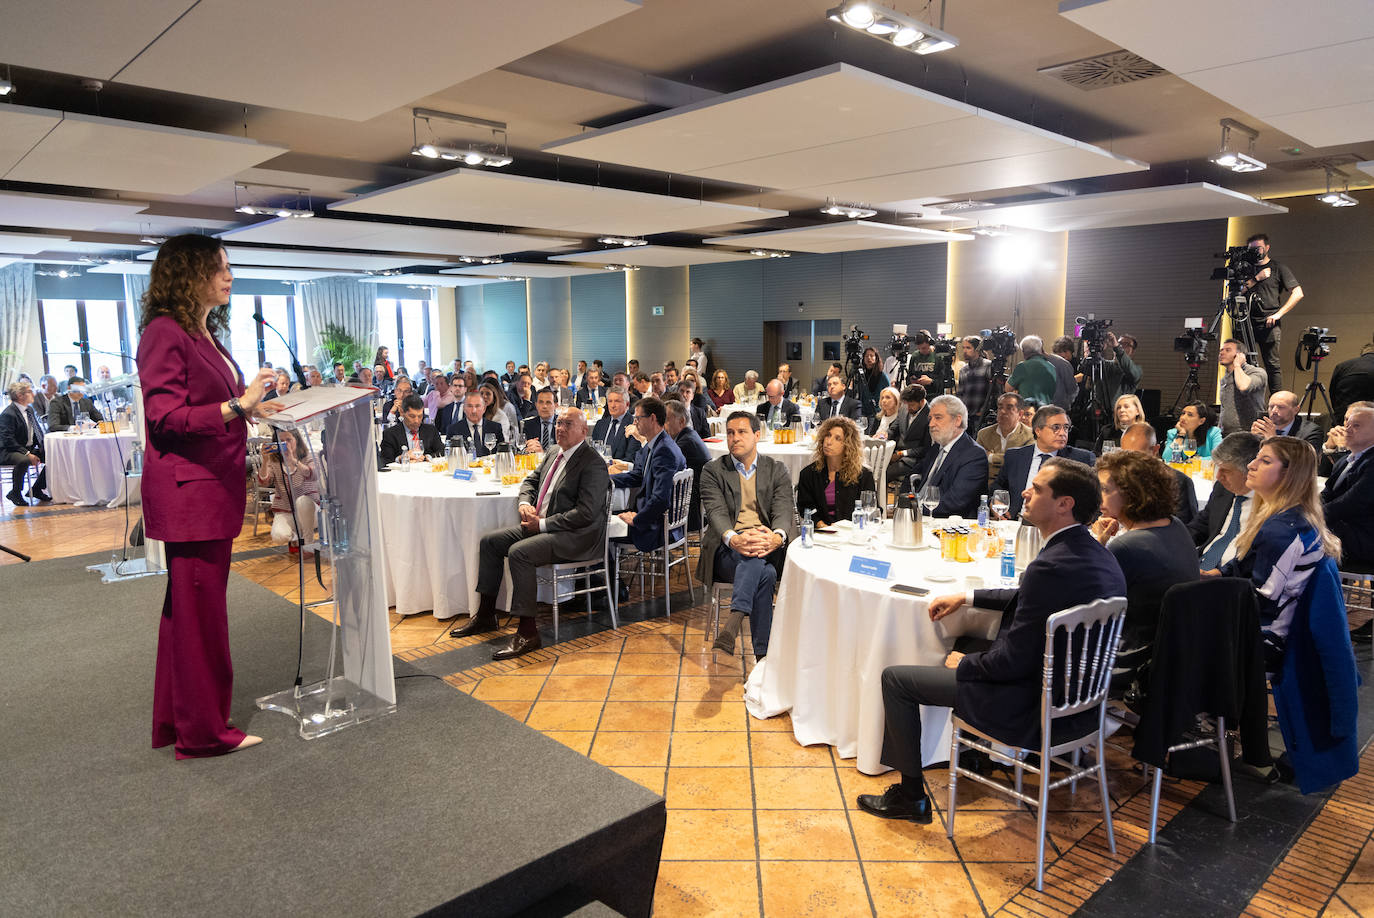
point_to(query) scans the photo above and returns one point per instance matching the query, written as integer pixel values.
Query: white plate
(941, 578)
(894, 545)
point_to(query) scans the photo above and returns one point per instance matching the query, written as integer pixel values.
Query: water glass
(1000, 503)
(869, 501)
(930, 498)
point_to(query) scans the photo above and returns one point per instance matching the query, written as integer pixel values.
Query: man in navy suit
(776, 405)
(836, 402)
(653, 477)
(592, 391)
(538, 431)
(610, 429)
(693, 450)
(998, 690)
(473, 427)
(1348, 497)
(953, 463)
(1051, 427)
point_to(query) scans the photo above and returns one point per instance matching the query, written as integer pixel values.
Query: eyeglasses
(1060, 428)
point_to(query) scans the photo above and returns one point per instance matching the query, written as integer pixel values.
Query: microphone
(81, 345)
(295, 361)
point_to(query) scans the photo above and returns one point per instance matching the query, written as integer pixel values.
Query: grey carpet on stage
(446, 807)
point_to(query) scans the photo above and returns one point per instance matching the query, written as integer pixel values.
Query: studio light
(892, 27)
(769, 253)
(1235, 160)
(1342, 198)
(467, 155)
(626, 241)
(852, 211)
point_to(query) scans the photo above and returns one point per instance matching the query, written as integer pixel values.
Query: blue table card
(462, 474)
(870, 567)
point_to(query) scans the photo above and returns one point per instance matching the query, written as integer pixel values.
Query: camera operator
(1352, 381)
(974, 376)
(871, 381)
(929, 368)
(1128, 344)
(1242, 389)
(1276, 291)
(1120, 374)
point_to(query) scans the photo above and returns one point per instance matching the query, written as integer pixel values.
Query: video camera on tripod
(1314, 341)
(1192, 344)
(1242, 264)
(999, 343)
(1093, 332)
(853, 351)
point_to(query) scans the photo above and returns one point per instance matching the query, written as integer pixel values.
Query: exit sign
(658, 310)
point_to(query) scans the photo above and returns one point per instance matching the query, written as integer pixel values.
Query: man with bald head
(1282, 421)
(1141, 438)
(776, 407)
(562, 518)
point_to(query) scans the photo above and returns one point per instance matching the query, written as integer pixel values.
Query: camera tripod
(1314, 388)
(997, 379)
(1191, 387)
(1238, 308)
(1091, 409)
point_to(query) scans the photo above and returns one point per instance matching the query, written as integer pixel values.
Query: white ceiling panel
(28, 243)
(655, 256)
(83, 38)
(474, 196)
(321, 60)
(849, 236)
(95, 152)
(430, 280)
(392, 237)
(21, 128)
(1137, 207)
(7, 260)
(48, 211)
(1367, 167)
(1308, 71)
(838, 127)
(517, 269)
(301, 258)
(276, 274)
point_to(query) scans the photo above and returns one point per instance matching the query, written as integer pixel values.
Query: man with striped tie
(539, 430)
(1348, 498)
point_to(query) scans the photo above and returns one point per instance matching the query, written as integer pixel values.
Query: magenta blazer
(194, 467)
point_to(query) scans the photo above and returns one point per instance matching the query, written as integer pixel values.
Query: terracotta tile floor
(757, 825)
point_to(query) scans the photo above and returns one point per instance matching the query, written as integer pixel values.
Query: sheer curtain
(340, 301)
(135, 285)
(18, 314)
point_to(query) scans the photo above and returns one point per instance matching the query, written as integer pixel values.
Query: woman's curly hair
(1149, 488)
(180, 272)
(852, 459)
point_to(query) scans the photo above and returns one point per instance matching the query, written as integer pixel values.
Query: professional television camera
(942, 344)
(1093, 332)
(853, 351)
(1314, 341)
(1242, 264)
(999, 343)
(1192, 344)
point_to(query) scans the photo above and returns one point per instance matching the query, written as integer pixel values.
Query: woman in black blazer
(832, 483)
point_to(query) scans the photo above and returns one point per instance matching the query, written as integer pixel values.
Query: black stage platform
(447, 807)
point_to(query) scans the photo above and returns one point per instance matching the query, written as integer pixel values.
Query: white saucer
(941, 578)
(897, 547)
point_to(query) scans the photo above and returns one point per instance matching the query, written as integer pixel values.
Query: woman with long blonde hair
(836, 477)
(1127, 411)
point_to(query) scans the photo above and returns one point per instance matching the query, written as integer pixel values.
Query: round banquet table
(88, 469)
(834, 632)
(431, 526)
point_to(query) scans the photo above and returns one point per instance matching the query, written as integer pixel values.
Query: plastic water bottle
(1008, 562)
(807, 529)
(859, 518)
(983, 512)
(337, 529)
(136, 460)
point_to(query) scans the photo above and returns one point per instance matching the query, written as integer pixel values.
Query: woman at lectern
(196, 410)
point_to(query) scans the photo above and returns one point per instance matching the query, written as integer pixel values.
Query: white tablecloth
(431, 526)
(835, 632)
(793, 455)
(88, 469)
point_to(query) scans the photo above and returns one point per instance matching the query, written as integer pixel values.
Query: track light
(620, 267)
(893, 27)
(1235, 160)
(466, 155)
(769, 253)
(995, 230)
(852, 211)
(626, 241)
(60, 272)
(6, 87)
(298, 213)
(1342, 198)
(152, 240)
(479, 260)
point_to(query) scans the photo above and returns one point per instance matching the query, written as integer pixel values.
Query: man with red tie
(411, 435)
(562, 518)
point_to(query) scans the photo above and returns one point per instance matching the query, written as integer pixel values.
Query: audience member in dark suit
(1216, 526)
(749, 515)
(473, 427)
(1348, 498)
(538, 431)
(562, 518)
(21, 443)
(653, 477)
(1140, 438)
(1351, 381)
(1283, 421)
(592, 391)
(776, 408)
(912, 434)
(836, 402)
(697, 405)
(693, 450)
(610, 428)
(521, 397)
(998, 690)
(62, 411)
(954, 463)
(831, 483)
(445, 416)
(820, 387)
(1051, 427)
(411, 434)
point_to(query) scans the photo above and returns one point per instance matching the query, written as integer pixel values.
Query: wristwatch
(235, 407)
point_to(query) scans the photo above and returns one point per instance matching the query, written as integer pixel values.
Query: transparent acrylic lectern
(337, 421)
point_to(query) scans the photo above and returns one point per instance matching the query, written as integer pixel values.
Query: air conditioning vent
(1111, 69)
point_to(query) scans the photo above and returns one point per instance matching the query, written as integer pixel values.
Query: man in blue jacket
(953, 462)
(1050, 427)
(998, 690)
(653, 477)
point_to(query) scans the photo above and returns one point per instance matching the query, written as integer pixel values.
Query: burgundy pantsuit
(193, 500)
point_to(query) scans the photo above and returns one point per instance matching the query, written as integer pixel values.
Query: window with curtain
(105, 331)
(101, 323)
(251, 344)
(404, 327)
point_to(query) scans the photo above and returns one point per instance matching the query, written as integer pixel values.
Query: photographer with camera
(1274, 292)
(974, 377)
(930, 365)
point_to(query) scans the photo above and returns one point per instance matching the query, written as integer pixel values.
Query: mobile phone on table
(909, 590)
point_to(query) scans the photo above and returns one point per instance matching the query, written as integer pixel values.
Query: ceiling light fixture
(852, 211)
(993, 230)
(60, 272)
(626, 241)
(468, 155)
(769, 253)
(511, 277)
(152, 240)
(893, 27)
(271, 210)
(479, 260)
(6, 87)
(620, 267)
(1342, 198)
(1235, 160)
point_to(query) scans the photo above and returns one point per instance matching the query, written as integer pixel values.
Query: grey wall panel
(653, 339)
(884, 287)
(550, 318)
(811, 280)
(1148, 279)
(727, 313)
(598, 319)
(491, 324)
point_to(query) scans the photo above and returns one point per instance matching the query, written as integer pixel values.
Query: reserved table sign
(870, 567)
(462, 474)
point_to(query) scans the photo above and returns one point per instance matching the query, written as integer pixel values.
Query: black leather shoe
(976, 761)
(477, 624)
(895, 804)
(17, 497)
(725, 642)
(1364, 631)
(40, 496)
(518, 646)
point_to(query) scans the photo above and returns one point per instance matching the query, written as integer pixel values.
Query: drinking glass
(489, 441)
(1108, 446)
(1189, 447)
(869, 501)
(1000, 503)
(930, 498)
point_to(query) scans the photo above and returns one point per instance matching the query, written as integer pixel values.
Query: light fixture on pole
(1235, 160)
(895, 28)
(1342, 198)
(851, 211)
(469, 155)
(273, 210)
